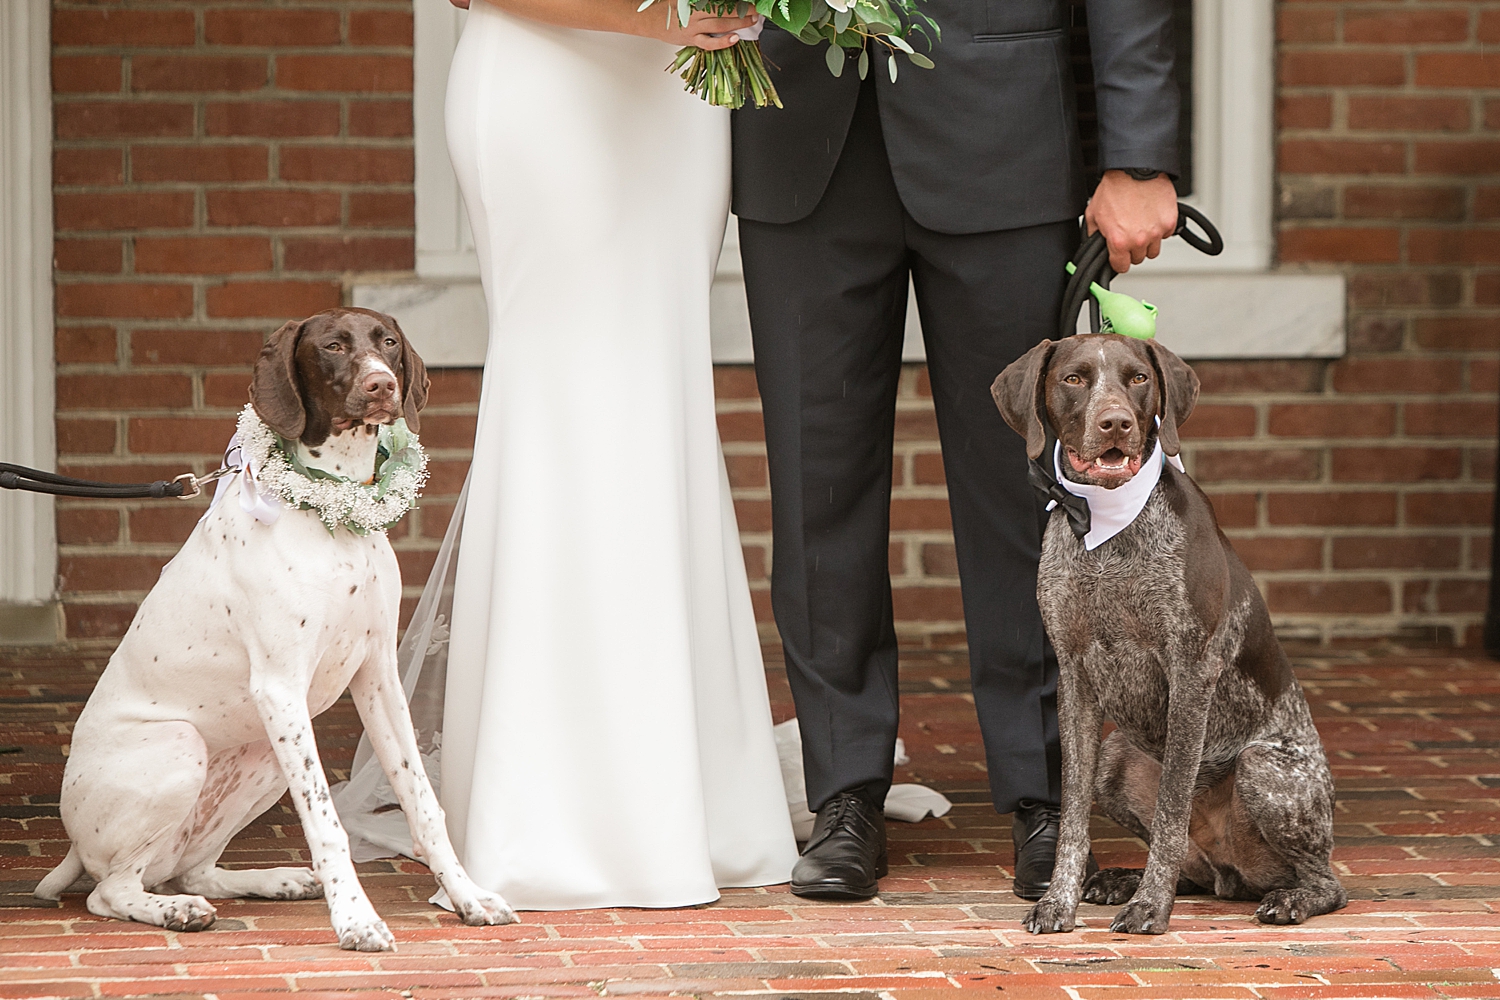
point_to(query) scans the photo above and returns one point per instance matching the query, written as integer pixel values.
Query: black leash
(184, 487)
(1090, 267)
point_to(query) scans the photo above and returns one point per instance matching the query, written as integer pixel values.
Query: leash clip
(192, 482)
(189, 482)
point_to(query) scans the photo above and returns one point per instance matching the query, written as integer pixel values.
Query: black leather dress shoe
(845, 856)
(1034, 832)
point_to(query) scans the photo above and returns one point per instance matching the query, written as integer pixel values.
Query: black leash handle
(1091, 266)
(18, 477)
(1210, 242)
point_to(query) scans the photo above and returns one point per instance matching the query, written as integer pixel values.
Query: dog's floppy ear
(414, 381)
(1178, 385)
(1018, 392)
(275, 392)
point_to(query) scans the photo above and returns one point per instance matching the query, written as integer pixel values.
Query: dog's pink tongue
(1079, 465)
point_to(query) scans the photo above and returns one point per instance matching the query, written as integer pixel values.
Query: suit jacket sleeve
(1134, 55)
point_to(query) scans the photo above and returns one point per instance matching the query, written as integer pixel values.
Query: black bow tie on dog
(1041, 473)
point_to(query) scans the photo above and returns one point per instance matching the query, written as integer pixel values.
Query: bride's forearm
(626, 18)
(621, 16)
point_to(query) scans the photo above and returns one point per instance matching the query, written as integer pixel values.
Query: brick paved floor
(1414, 738)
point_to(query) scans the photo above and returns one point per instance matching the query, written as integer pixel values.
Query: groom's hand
(1135, 216)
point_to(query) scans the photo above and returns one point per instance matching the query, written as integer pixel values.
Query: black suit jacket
(986, 141)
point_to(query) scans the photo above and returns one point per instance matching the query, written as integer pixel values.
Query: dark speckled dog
(1215, 761)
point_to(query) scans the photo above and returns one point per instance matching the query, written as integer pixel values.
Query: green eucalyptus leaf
(684, 11)
(841, 19)
(900, 43)
(835, 57)
(795, 15)
(864, 63)
(891, 65)
(919, 60)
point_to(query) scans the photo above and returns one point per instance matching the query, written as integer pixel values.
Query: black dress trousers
(828, 298)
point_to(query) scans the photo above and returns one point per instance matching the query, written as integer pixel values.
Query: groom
(968, 181)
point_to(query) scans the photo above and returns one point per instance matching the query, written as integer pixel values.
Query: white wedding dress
(605, 735)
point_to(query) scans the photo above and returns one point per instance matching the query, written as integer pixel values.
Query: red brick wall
(224, 166)
(1371, 477)
(219, 167)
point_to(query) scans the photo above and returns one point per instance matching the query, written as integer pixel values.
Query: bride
(605, 735)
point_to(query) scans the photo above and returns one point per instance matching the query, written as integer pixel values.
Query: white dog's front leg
(382, 707)
(283, 709)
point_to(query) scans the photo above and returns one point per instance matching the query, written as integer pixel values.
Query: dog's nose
(1116, 420)
(381, 385)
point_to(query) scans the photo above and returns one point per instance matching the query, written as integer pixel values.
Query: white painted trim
(1212, 307)
(1252, 316)
(1244, 315)
(445, 247)
(28, 547)
(445, 321)
(1234, 54)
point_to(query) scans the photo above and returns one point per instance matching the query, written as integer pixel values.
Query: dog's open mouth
(1110, 468)
(372, 419)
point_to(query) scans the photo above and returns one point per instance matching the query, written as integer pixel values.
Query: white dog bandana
(1111, 511)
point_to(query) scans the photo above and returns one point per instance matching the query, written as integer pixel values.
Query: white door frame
(28, 540)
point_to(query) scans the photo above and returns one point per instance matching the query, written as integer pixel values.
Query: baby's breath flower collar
(400, 472)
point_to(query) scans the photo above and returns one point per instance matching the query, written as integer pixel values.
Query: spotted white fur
(203, 718)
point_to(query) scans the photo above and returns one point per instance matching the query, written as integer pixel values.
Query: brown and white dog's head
(1102, 394)
(338, 370)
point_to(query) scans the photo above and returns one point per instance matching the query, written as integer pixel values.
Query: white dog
(204, 715)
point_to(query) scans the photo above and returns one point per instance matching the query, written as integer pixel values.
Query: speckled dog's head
(1102, 394)
(336, 370)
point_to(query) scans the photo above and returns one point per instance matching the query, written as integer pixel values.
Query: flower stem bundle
(726, 78)
(732, 76)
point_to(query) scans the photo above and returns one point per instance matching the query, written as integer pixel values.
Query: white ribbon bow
(254, 499)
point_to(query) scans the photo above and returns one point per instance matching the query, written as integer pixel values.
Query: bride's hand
(701, 29)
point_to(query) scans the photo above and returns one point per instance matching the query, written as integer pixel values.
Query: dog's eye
(1140, 379)
(333, 345)
(1073, 379)
(390, 342)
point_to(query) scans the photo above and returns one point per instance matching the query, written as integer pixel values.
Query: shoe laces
(1039, 815)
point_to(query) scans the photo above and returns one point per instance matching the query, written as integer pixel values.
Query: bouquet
(728, 77)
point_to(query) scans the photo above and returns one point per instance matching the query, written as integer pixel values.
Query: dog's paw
(367, 936)
(187, 913)
(1142, 916)
(1281, 906)
(293, 883)
(484, 909)
(1050, 916)
(1111, 886)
